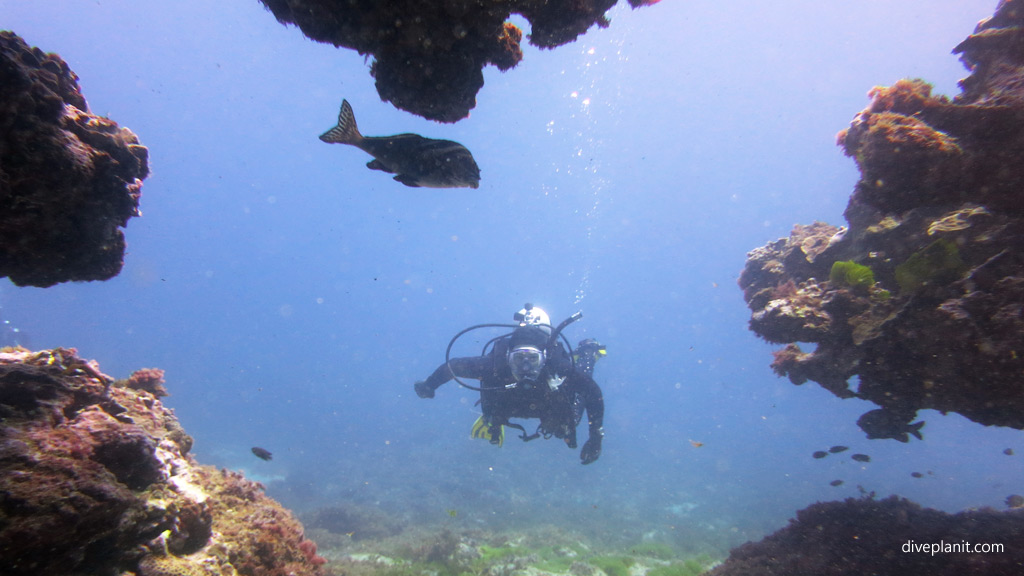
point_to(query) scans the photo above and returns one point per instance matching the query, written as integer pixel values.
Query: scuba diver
(529, 374)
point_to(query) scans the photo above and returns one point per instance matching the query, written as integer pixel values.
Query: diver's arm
(473, 367)
(593, 401)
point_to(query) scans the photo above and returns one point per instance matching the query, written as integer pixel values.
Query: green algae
(689, 567)
(938, 263)
(490, 554)
(849, 274)
(558, 565)
(489, 557)
(655, 550)
(415, 569)
(557, 559)
(613, 565)
(550, 556)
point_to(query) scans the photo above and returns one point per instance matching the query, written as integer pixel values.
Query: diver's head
(526, 363)
(586, 355)
(592, 347)
(531, 315)
(526, 354)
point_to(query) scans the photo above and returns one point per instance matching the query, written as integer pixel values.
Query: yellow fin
(482, 431)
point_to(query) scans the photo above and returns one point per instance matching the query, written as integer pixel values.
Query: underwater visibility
(607, 288)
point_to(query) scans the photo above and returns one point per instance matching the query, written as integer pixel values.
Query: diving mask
(526, 362)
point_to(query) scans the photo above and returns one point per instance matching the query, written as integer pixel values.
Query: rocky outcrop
(890, 536)
(429, 55)
(96, 478)
(69, 180)
(919, 302)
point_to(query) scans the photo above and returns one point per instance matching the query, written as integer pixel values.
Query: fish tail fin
(915, 429)
(346, 132)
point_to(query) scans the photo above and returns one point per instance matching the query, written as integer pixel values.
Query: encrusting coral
(936, 218)
(149, 379)
(429, 55)
(69, 180)
(97, 479)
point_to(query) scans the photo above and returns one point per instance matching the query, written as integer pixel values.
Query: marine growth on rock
(61, 169)
(936, 228)
(96, 478)
(429, 55)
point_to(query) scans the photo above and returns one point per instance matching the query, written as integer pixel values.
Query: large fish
(414, 160)
(882, 423)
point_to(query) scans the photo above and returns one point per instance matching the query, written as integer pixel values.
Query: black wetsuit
(502, 398)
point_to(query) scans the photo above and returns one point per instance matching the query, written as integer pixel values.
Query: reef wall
(429, 55)
(95, 478)
(69, 180)
(867, 536)
(919, 303)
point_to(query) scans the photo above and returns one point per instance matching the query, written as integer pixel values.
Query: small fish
(882, 423)
(861, 457)
(696, 444)
(1008, 451)
(262, 453)
(838, 449)
(836, 483)
(453, 512)
(414, 160)
(917, 475)
(1015, 501)
(819, 454)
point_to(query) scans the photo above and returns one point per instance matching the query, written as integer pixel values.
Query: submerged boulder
(69, 180)
(96, 478)
(428, 56)
(890, 536)
(936, 234)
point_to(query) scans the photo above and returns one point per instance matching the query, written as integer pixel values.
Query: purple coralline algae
(96, 478)
(69, 180)
(429, 55)
(936, 223)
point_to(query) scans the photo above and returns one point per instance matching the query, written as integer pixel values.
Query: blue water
(293, 296)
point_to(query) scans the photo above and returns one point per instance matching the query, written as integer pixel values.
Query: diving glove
(592, 449)
(422, 390)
